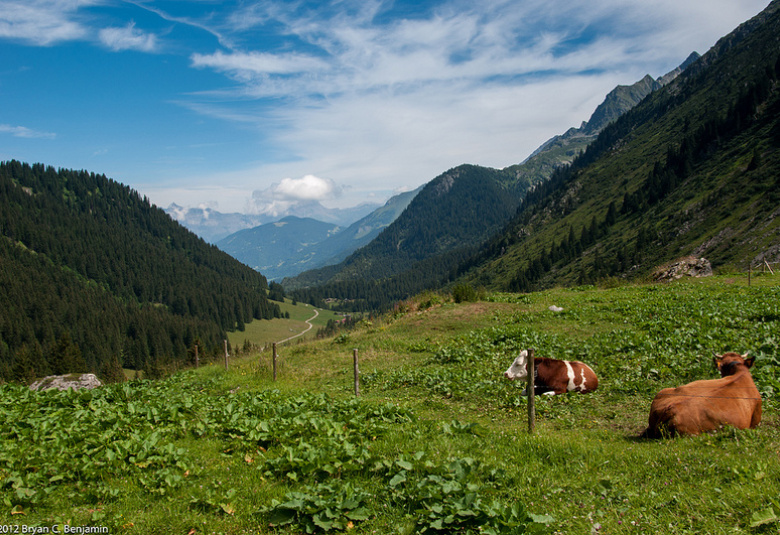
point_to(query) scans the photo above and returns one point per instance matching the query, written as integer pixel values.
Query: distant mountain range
(291, 245)
(212, 225)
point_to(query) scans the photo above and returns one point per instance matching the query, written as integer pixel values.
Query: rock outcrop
(689, 266)
(76, 381)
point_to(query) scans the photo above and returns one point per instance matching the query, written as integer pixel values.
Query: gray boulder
(689, 266)
(76, 381)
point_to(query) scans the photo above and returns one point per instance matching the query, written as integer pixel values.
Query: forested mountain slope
(95, 278)
(693, 170)
(459, 209)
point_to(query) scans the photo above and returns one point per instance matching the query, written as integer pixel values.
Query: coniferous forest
(95, 278)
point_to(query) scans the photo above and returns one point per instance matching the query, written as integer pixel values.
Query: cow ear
(749, 362)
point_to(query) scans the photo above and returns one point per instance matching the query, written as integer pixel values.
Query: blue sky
(246, 106)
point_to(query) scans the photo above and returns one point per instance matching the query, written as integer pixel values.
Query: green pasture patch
(265, 332)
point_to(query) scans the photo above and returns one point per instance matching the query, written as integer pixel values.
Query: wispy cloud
(42, 22)
(456, 80)
(375, 94)
(23, 131)
(128, 38)
(247, 66)
(472, 82)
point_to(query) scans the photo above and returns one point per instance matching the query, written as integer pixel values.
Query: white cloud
(23, 131)
(387, 106)
(282, 197)
(41, 22)
(308, 188)
(248, 65)
(128, 38)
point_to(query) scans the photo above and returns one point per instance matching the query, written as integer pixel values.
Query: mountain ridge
(310, 243)
(213, 226)
(515, 180)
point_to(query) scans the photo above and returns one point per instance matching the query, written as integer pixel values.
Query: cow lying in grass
(701, 406)
(554, 376)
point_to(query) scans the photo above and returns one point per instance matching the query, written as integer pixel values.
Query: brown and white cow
(701, 406)
(554, 376)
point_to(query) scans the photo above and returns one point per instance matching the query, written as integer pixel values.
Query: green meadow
(264, 333)
(437, 441)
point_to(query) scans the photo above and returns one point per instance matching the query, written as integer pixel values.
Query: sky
(258, 106)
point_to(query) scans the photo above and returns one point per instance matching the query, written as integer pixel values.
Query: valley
(394, 324)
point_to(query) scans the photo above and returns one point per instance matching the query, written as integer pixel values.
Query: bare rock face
(76, 381)
(689, 266)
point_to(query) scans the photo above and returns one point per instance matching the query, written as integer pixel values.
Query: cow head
(518, 369)
(729, 363)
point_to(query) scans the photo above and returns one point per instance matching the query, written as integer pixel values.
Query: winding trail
(309, 328)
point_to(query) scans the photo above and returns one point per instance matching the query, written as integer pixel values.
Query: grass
(265, 332)
(437, 433)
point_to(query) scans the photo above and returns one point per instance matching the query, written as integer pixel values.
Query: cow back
(704, 406)
(560, 376)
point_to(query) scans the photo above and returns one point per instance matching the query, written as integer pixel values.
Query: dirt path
(309, 328)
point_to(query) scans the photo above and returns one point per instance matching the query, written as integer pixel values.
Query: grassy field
(265, 332)
(437, 442)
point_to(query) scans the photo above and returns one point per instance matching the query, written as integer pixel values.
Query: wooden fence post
(750, 269)
(357, 378)
(274, 361)
(530, 389)
(226, 356)
(197, 360)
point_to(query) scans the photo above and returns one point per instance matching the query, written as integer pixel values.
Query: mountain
(458, 209)
(291, 245)
(214, 226)
(337, 247)
(562, 149)
(692, 170)
(260, 249)
(516, 180)
(96, 279)
(271, 247)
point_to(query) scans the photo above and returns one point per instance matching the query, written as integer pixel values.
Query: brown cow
(554, 376)
(701, 406)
